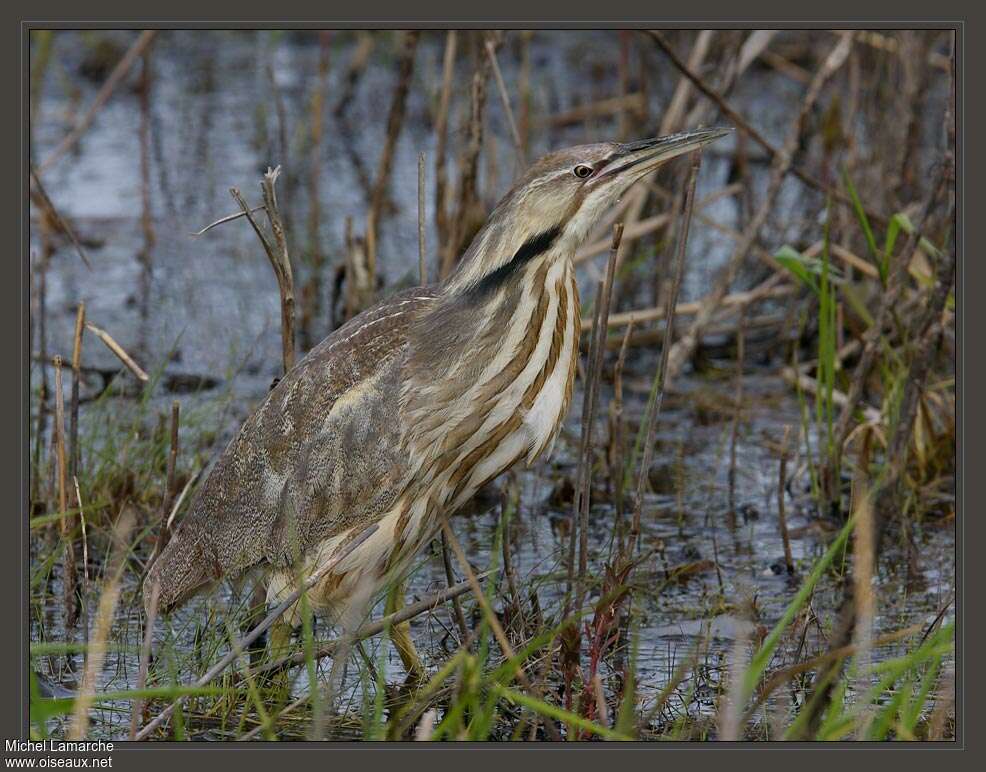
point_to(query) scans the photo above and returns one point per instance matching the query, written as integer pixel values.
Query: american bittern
(405, 411)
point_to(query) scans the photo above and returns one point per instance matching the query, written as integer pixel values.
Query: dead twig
(117, 349)
(277, 254)
(753, 133)
(73, 431)
(660, 378)
(422, 263)
(104, 621)
(505, 100)
(85, 121)
(441, 140)
(395, 120)
(591, 395)
(40, 195)
(781, 513)
(684, 348)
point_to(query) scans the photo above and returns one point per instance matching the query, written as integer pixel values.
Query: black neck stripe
(534, 246)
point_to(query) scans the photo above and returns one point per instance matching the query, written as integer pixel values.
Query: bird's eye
(582, 171)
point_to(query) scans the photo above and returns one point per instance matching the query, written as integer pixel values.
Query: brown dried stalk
(505, 100)
(756, 136)
(104, 622)
(590, 397)
(660, 379)
(618, 430)
(312, 293)
(441, 140)
(68, 564)
(82, 125)
(737, 414)
(145, 656)
(422, 263)
(684, 348)
(466, 213)
(395, 121)
(40, 196)
(460, 618)
(73, 432)
(277, 254)
(781, 512)
(117, 349)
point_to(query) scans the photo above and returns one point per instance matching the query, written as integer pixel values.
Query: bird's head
(562, 195)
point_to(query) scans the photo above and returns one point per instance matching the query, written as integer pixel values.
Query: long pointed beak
(648, 154)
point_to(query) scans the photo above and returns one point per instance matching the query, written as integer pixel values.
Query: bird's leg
(280, 639)
(400, 634)
(279, 647)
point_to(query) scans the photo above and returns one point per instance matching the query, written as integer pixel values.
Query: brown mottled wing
(319, 454)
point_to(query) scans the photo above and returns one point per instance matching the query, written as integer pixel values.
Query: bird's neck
(479, 360)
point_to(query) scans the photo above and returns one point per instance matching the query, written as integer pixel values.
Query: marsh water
(207, 310)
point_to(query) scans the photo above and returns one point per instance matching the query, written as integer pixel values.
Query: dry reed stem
(524, 89)
(640, 228)
(101, 630)
(460, 618)
(781, 513)
(118, 350)
(169, 523)
(426, 726)
(82, 125)
(312, 292)
(661, 376)
(684, 348)
(422, 262)
(226, 219)
(68, 564)
(573, 532)
(806, 383)
(244, 642)
(355, 70)
(674, 114)
(395, 121)
(468, 195)
(864, 566)
(85, 556)
(509, 508)
(40, 195)
(145, 656)
(591, 395)
(737, 414)
(491, 618)
(618, 428)
(600, 696)
(490, 47)
(775, 153)
(730, 716)
(73, 435)
(874, 335)
(629, 103)
(277, 255)
(780, 677)
(165, 515)
(441, 141)
(736, 300)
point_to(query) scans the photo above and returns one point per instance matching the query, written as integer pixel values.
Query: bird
(402, 414)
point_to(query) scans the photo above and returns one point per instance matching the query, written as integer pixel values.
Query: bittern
(403, 413)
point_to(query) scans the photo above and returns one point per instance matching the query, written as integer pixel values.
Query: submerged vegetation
(747, 528)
